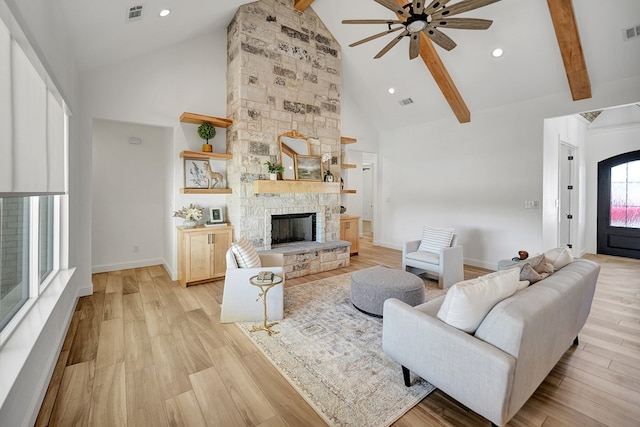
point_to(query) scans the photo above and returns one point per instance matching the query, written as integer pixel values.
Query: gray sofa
(494, 371)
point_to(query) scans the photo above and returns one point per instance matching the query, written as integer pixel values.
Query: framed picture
(308, 168)
(216, 216)
(195, 173)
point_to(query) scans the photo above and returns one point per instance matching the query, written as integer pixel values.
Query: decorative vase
(189, 223)
(207, 148)
(273, 176)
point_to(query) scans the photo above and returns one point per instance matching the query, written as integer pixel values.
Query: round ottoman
(372, 286)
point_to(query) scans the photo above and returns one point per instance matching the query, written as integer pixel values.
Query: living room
(474, 177)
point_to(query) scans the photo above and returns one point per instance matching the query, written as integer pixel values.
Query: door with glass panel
(619, 205)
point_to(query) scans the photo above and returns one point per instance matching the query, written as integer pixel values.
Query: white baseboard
(127, 265)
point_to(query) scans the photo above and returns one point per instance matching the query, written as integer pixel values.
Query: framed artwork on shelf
(308, 168)
(198, 174)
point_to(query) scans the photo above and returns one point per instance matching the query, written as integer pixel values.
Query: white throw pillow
(558, 257)
(246, 255)
(467, 303)
(435, 239)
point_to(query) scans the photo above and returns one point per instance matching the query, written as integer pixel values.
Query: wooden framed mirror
(292, 144)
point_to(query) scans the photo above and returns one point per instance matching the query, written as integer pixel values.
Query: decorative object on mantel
(308, 168)
(328, 176)
(207, 131)
(274, 170)
(191, 215)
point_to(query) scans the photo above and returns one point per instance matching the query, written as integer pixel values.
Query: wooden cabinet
(349, 231)
(201, 253)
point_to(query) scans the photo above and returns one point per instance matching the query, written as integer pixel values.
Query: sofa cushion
(246, 255)
(422, 256)
(558, 257)
(435, 239)
(468, 302)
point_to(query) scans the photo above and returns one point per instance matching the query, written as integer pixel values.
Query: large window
(625, 195)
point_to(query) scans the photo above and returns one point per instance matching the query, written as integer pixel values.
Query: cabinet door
(349, 232)
(198, 256)
(221, 243)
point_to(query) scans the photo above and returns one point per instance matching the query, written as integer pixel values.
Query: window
(625, 195)
(14, 252)
(46, 237)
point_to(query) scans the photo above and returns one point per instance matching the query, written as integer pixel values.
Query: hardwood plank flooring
(143, 351)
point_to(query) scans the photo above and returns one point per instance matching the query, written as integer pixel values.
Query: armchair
(447, 264)
(240, 301)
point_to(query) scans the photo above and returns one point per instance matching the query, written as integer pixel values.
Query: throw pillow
(558, 257)
(246, 255)
(435, 239)
(530, 274)
(468, 302)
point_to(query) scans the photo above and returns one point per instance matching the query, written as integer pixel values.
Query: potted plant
(274, 170)
(206, 131)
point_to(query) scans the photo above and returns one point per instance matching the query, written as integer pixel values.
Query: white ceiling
(531, 66)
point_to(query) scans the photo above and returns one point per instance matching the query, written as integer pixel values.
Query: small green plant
(206, 131)
(273, 168)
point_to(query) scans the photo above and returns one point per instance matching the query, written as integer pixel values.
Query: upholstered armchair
(240, 302)
(446, 263)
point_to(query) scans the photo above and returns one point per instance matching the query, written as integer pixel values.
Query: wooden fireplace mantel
(287, 186)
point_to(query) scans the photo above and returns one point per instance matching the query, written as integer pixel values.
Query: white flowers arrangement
(190, 213)
(326, 157)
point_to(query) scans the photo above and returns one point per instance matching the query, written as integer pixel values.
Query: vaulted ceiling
(551, 47)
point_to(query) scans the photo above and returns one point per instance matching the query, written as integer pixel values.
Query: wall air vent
(631, 32)
(134, 13)
(405, 102)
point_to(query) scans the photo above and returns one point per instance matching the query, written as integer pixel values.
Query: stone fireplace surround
(283, 74)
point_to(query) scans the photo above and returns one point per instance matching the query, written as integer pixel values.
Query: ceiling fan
(428, 20)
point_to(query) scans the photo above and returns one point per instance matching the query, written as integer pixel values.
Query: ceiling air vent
(591, 115)
(134, 13)
(405, 102)
(632, 32)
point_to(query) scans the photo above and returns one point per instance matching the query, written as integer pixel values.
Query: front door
(619, 205)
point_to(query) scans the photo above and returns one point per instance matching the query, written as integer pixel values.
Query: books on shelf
(265, 278)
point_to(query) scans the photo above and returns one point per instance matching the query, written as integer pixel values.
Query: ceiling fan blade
(375, 36)
(414, 45)
(418, 7)
(391, 44)
(391, 5)
(440, 38)
(435, 5)
(463, 6)
(372, 21)
(462, 23)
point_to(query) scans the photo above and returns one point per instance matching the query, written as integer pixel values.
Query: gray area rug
(332, 355)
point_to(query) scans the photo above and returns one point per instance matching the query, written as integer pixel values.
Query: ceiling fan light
(417, 26)
(497, 52)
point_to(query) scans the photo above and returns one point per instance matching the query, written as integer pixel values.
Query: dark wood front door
(619, 205)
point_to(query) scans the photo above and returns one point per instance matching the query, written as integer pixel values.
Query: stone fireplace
(283, 74)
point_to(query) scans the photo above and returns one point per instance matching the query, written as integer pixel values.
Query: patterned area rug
(332, 354)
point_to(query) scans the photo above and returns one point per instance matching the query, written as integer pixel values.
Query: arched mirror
(292, 144)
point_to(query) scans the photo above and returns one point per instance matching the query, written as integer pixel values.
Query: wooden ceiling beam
(566, 27)
(441, 76)
(302, 5)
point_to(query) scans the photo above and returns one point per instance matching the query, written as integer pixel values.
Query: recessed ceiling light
(391, 90)
(164, 12)
(497, 53)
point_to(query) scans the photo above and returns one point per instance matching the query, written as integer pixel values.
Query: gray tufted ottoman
(372, 286)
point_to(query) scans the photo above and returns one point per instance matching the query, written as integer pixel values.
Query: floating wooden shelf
(205, 191)
(348, 191)
(285, 186)
(205, 155)
(348, 166)
(198, 119)
(347, 140)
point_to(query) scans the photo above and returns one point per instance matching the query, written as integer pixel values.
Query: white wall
(129, 194)
(475, 177)
(155, 90)
(602, 144)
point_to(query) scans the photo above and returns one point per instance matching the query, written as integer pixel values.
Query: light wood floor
(142, 351)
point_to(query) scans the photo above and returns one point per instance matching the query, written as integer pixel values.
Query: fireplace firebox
(291, 228)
